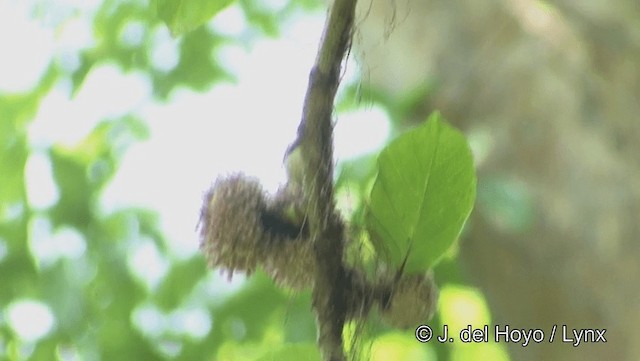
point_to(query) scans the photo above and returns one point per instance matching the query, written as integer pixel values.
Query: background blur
(111, 130)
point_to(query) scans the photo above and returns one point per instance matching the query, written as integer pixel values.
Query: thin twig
(316, 142)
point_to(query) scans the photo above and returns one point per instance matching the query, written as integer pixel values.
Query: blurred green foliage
(101, 308)
(182, 16)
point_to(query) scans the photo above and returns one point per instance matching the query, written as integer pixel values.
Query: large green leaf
(182, 16)
(423, 194)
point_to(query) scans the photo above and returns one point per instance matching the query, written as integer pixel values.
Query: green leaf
(293, 352)
(422, 196)
(178, 284)
(182, 16)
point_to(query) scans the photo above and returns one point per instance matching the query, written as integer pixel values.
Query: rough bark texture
(554, 93)
(315, 137)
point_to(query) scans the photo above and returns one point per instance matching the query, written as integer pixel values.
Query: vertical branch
(316, 143)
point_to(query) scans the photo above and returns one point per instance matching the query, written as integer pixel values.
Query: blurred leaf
(250, 310)
(398, 346)
(80, 171)
(113, 293)
(70, 174)
(293, 352)
(178, 283)
(70, 310)
(149, 223)
(16, 266)
(87, 60)
(298, 321)
(112, 42)
(182, 16)
(261, 17)
(196, 68)
(423, 194)
(44, 349)
(16, 111)
(361, 170)
(13, 159)
(19, 274)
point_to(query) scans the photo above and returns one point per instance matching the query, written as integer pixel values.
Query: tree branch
(316, 145)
